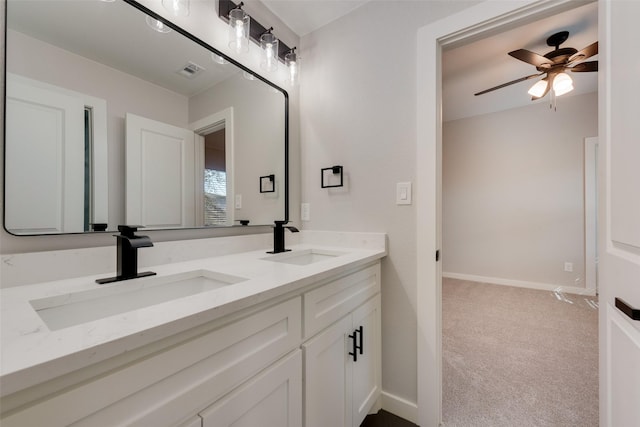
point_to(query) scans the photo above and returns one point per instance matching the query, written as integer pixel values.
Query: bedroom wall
(513, 193)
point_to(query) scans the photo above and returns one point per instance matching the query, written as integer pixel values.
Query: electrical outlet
(238, 201)
(568, 266)
(305, 211)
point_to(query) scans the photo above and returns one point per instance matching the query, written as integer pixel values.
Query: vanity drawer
(167, 388)
(329, 303)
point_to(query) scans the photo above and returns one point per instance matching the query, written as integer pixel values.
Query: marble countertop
(32, 353)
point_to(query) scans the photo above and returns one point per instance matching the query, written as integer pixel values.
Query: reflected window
(215, 179)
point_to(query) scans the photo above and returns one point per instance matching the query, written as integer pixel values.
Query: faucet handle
(128, 230)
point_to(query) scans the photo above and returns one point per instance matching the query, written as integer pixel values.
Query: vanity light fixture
(292, 62)
(269, 45)
(177, 7)
(239, 29)
(335, 170)
(157, 25)
(259, 34)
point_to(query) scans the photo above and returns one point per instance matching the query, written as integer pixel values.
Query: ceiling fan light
(562, 84)
(538, 89)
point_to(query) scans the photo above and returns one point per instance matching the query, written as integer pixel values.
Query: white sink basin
(62, 311)
(304, 257)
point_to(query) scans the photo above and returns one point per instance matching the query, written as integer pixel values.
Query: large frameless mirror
(115, 116)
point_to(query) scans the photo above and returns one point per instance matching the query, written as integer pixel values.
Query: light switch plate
(238, 201)
(305, 211)
(403, 193)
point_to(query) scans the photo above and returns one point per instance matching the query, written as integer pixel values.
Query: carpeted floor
(518, 357)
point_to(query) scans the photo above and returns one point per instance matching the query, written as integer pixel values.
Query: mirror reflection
(110, 121)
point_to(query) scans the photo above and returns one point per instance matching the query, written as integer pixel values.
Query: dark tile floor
(385, 419)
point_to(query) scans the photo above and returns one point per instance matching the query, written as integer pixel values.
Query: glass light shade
(249, 76)
(562, 84)
(292, 62)
(158, 26)
(269, 45)
(218, 59)
(239, 23)
(177, 7)
(538, 89)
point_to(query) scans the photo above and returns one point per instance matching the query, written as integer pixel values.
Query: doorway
(473, 23)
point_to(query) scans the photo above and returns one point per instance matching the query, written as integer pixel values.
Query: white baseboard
(520, 283)
(400, 407)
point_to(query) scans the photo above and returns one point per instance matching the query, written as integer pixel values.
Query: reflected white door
(46, 130)
(619, 234)
(160, 174)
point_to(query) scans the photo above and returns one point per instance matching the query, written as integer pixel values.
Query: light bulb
(538, 89)
(562, 84)
(293, 67)
(269, 44)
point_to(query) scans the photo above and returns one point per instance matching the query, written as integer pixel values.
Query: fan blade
(585, 53)
(531, 58)
(521, 79)
(585, 67)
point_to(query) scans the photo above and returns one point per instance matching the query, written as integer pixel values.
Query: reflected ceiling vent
(190, 70)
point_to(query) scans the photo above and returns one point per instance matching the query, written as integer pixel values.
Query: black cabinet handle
(354, 353)
(356, 343)
(633, 313)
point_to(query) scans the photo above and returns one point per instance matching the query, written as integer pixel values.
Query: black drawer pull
(360, 331)
(354, 353)
(633, 313)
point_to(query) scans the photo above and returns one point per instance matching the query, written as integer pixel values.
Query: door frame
(483, 19)
(591, 214)
(206, 125)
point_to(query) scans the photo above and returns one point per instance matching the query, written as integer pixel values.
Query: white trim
(466, 25)
(520, 283)
(400, 407)
(590, 213)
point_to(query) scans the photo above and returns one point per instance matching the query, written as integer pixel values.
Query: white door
(160, 174)
(619, 230)
(328, 377)
(46, 130)
(366, 369)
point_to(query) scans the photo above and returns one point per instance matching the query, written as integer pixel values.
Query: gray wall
(513, 193)
(358, 105)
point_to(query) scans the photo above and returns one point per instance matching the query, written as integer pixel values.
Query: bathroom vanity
(291, 339)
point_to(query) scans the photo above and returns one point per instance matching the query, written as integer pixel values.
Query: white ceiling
(475, 66)
(485, 64)
(306, 16)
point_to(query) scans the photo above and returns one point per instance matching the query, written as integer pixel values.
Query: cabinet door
(367, 368)
(272, 399)
(328, 377)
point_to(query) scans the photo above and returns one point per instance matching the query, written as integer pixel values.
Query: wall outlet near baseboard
(568, 266)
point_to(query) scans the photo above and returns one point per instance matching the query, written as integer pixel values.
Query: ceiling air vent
(190, 70)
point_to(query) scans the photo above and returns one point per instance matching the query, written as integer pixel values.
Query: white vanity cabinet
(282, 362)
(172, 385)
(342, 363)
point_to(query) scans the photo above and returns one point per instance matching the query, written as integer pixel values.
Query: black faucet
(278, 236)
(127, 262)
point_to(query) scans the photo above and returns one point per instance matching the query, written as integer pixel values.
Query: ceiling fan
(553, 65)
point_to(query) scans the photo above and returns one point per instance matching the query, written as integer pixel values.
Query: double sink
(76, 308)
